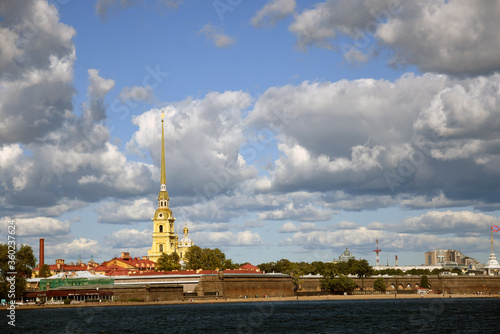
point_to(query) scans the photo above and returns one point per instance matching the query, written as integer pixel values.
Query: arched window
(160, 229)
(160, 248)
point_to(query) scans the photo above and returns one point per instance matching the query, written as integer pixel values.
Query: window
(160, 248)
(160, 229)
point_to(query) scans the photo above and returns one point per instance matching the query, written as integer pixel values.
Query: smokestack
(41, 255)
(396, 260)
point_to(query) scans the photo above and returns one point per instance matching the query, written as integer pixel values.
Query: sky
(293, 128)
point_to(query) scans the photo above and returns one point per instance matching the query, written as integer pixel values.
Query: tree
(207, 258)
(296, 272)
(24, 263)
(44, 271)
(360, 267)
(379, 285)
(168, 262)
(338, 285)
(424, 282)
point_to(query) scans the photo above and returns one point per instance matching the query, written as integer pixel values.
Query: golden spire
(163, 195)
(163, 176)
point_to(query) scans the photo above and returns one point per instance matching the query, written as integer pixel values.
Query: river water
(326, 316)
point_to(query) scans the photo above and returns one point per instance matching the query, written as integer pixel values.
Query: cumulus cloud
(376, 143)
(361, 240)
(73, 165)
(290, 227)
(327, 20)
(38, 226)
(73, 249)
(422, 35)
(444, 222)
(126, 211)
(334, 239)
(202, 136)
(129, 238)
(228, 238)
(272, 12)
(36, 71)
(216, 35)
(417, 33)
(290, 211)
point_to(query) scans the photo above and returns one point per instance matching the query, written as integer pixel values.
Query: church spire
(163, 195)
(163, 175)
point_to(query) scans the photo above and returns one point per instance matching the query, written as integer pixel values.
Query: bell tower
(164, 238)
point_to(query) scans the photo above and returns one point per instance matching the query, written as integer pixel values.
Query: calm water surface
(334, 316)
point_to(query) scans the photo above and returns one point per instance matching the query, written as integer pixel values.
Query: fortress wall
(148, 293)
(229, 286)
(457, 284)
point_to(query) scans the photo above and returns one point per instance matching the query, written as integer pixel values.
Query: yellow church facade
(165, 240)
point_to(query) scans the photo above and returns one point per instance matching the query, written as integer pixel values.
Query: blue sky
(292, 127)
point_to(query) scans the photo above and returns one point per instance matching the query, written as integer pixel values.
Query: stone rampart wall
(250, 285)
(456, 284)
(148, 293)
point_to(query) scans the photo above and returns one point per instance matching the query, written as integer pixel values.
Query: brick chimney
(41, 256)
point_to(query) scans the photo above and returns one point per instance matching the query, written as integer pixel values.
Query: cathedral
(165, 240)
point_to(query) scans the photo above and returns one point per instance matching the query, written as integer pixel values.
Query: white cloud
(361, 240)
(304, 212)
(129, 238)
(217, 35)
(228, 238)
(74, 160)
(444, 222)
(327, 20)
(36, 71)
(77, 247)
(202, 136)
(362, 142)
(272, 12)
(347, 225)
(290, 227)
(334, 239)
(126, 211)
(38, 227)
(453, 37)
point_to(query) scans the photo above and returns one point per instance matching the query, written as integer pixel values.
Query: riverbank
(250, 300)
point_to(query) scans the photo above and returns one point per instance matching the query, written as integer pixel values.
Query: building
(346, 256)
(165, 240)
(61, 267)
(448, 258)
(124, 265)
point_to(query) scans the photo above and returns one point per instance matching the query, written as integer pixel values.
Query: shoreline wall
(408, 284)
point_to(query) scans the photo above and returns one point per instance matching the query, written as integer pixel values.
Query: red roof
(132, 262)
(248, 266)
